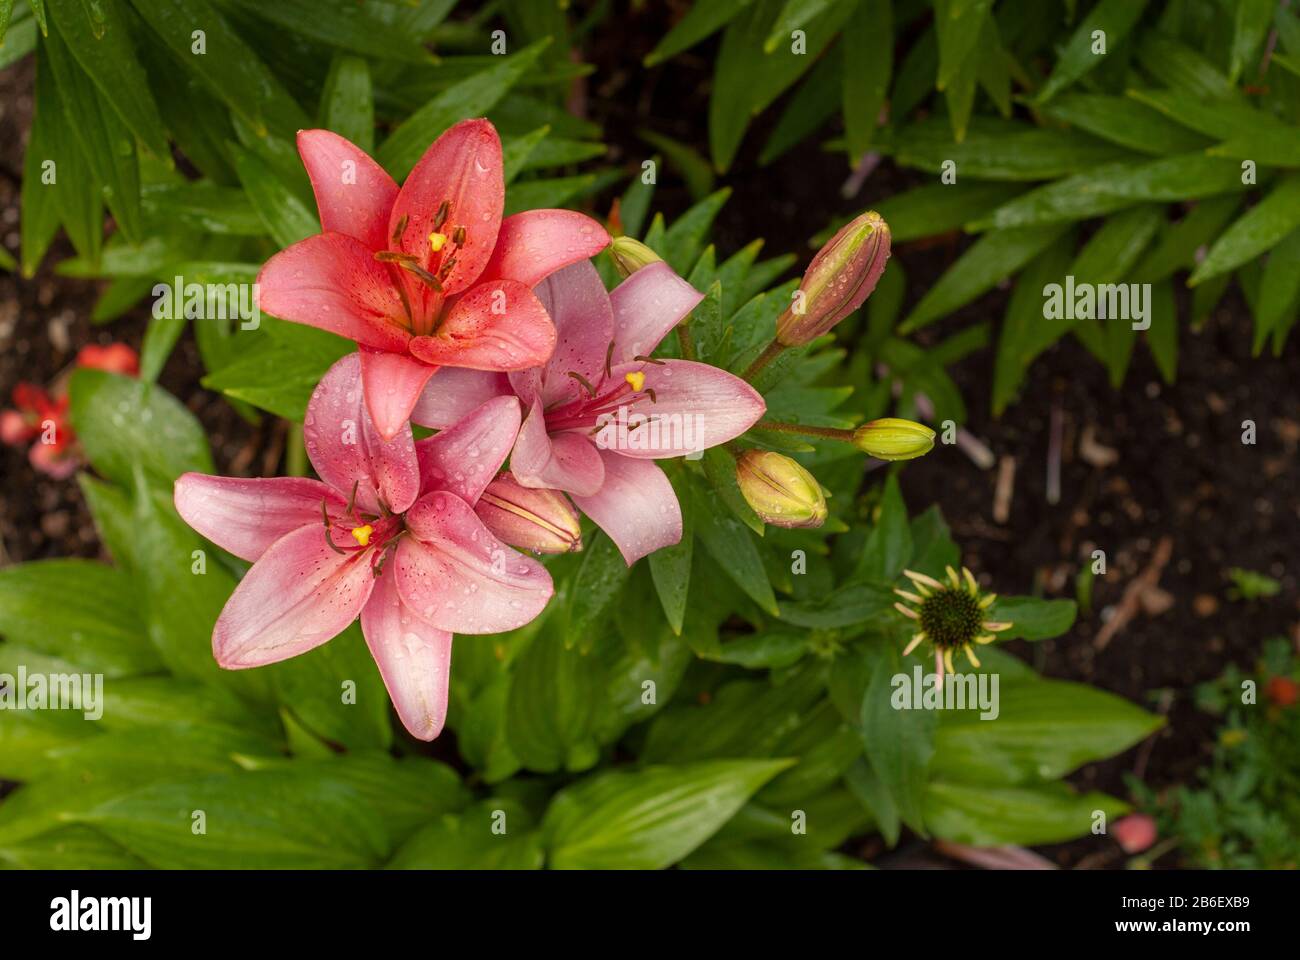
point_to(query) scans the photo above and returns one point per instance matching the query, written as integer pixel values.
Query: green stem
(772, 351)
(295, 453)
(685, 342)
(825, 433)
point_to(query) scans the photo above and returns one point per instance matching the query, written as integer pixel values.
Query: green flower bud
(542, 521)
(631, 255)
(894, 439)
(838, 281)
(780, 490)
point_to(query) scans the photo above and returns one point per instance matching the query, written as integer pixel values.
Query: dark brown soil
(1181, 470)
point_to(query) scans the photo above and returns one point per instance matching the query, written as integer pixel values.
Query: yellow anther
(437, 241)
(362, 534)
(637, 379)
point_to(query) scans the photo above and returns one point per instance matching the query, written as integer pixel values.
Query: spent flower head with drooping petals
(780, 490)
(950, 614)
(838, 281)
(892, 438)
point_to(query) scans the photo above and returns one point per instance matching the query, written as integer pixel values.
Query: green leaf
(347, 102)
(670, 568)
(105, 52)
(495, 834)
(869, 34)
(1126, 122)
(1033, 619)
(550, 712)
(700, 20)
(1278, 289)
(1023, 334)
(732, 546)
(73, 199)
(1176, 249)
(84, 612)
(343, 24)
(939, 208)
(1259, 229)
(889, 545)
(686, 237)
(123, 423)
(231, 69)
(813, 103)
(651, 818)
(993, 257)
(1114, 18)
(1043, 730)
(988, 816)
(471, 97)
(69, 848)
(1252, 21)
(280, 375)
(159, 339)
(899, 743)
(957, 24)
(251, 821)
(599, 581)
(867, 787)
(287, 218)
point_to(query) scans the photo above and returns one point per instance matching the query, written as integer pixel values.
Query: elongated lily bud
(780, 490)
(838, 280)
(631, 255)
(894, 439)
(542, 521)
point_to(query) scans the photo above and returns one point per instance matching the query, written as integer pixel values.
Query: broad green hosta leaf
(69, 848)
(554, 694)
(670, 569)
(495, 834)
(847, 605)
(1043, 731)
(987, 816)
(595, 590)
(82, 611)
(472, 97)
(899, 743)
(1115, 18)
(231, 69)
(1259, 229)
(651, 818)
(275, 819)
(123, 424)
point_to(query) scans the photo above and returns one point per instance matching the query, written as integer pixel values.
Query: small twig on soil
(1131, 601)
(865, 168)
(1006, 486)
(1055, 432)
(995, 858)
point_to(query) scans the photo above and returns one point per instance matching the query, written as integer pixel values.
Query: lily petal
(463, 168)
(563, 461)
(533, 244)
(297, 596)
(499, 325)
(346, 449)
(695, 406)
(333, 282)
(647, 305)
(465, 458)
(455, 393)
(353, 193)
(636, 506)
(578, 305)
(247, 516)
(393, 383)
(413, 657)
(455, 574)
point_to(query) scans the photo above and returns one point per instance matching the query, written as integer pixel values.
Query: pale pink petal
(579, 307)
(647, 305)
(535, 243)
(683, 407)
(562, 461)
(465, 458)
(247, 516)
(455, 574)
(499, 325)
(393, 383)
(333, 282)
(463, 168)
(298, 595)
(353, 193)
(413, 657)
(346, 449)
(456, 392)
(636, 506)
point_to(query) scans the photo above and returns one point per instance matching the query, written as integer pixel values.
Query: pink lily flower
(388, 533)
(426, 276)
(600, 411)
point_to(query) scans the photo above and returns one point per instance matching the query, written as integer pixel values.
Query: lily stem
(825, 433)
(295, 452)
(772, 351)
(685, 342)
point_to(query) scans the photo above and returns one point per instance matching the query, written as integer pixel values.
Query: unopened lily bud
(894, 439)
(631, 255)
(780, 490)
(542, 521)
(838, 280)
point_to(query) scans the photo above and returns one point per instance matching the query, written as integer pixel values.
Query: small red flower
(1282, 691)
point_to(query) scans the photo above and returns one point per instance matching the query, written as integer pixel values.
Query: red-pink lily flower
(388, 533)
(426, 276)
(600, 411)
